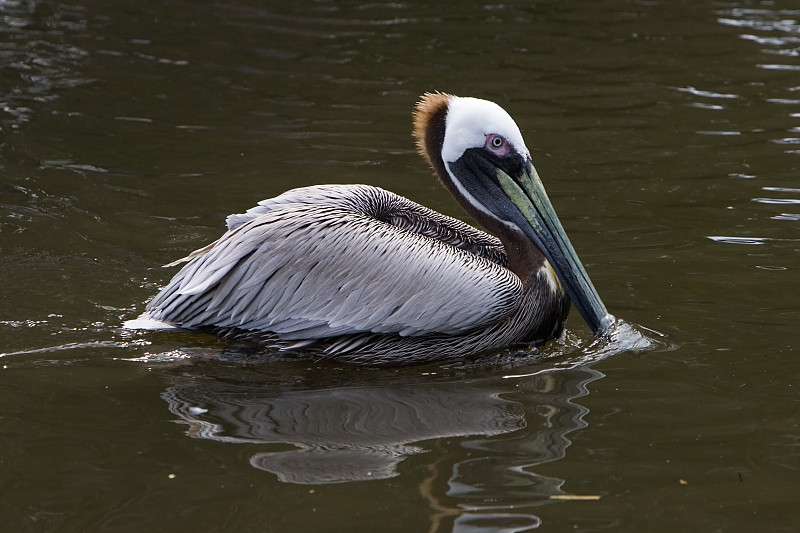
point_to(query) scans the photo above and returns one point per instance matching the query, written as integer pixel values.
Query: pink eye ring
(497, 144)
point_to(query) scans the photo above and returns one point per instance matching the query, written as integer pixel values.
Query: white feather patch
(547, 272)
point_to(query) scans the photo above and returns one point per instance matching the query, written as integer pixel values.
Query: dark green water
(667, 134)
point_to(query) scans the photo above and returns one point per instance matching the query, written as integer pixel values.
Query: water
(667, 137)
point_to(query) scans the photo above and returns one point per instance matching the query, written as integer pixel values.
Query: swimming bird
(359, 274)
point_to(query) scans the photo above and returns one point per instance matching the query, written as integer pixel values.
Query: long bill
(545, 229)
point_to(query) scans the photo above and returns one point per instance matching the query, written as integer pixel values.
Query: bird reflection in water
(362, 431)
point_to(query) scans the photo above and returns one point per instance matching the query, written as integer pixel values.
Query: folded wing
(334, 260)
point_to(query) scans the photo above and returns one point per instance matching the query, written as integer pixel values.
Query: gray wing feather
(321, 262)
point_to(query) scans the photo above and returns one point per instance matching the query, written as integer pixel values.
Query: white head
(470, 120)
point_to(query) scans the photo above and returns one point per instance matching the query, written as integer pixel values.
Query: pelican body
(360, 274)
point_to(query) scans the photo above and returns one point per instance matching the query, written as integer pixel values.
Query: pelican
(359, 274)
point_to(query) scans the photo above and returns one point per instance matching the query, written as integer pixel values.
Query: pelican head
(477, 151)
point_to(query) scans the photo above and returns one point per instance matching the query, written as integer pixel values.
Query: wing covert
(305, 270)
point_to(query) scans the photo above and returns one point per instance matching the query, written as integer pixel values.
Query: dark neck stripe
(434, 140)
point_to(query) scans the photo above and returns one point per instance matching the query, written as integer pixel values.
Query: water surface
(668, 137)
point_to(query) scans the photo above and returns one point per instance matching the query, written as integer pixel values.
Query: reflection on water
(348, 433)
(321, 431)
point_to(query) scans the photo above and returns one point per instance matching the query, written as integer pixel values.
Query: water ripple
(705, 94)
(777, 201)
(756, 241)
(778, 66)
(765, 20)
(33, 52)
(625, 337)
(794, 217)
(738, 240)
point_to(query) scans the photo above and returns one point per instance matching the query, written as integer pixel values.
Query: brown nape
(430, 115)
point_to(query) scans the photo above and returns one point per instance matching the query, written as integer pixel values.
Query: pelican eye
(497, 144)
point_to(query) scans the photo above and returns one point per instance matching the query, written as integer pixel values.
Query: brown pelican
(357, 273)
